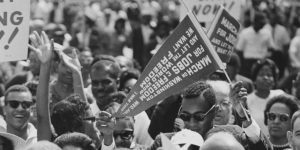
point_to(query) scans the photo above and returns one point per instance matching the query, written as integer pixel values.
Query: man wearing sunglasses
(18, 100)
(105, 74)
(123, 133)
(197, 110)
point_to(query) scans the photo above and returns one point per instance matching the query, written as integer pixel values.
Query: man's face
(224, 112)
(294, 136)
(64, 73)
(17, 116)
(196, 106)
(259, 24)
(90, 128)
(123, 132)
(279, 120)
(85, 59)
(102, 85)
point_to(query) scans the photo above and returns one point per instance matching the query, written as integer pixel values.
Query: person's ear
(289, 135)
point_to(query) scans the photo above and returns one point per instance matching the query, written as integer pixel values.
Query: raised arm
(44, 49)
(73, 63)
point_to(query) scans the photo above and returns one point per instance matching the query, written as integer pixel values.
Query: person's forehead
(220, 97)
(265, 69)
(71, 147)
(19, 96)
(124, 124)
(103, 70)
(195, 104)
(280, 108)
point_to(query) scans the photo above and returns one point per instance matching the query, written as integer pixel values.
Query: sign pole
(231, 85)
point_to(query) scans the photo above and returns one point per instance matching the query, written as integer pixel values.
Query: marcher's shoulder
(277, 92)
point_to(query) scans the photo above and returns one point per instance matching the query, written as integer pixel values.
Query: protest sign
(223, 34)
(205, 10)
(14, 29)
(185, 57)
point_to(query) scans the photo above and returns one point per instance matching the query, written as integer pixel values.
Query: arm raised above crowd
(73, 63)
(42, 46)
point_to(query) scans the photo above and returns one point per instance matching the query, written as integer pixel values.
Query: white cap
(188, 138)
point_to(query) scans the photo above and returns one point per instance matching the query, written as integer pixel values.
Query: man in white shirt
(18, 101)
(254, 43)
(281, 39)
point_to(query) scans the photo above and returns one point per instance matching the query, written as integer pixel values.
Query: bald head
(110, 67)
(226, 141)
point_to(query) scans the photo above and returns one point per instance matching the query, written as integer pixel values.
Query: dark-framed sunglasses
(282, 117)
(125, 135)
(197, 116)
(15, 104)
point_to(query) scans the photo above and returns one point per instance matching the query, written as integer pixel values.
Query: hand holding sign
(238, 94)
(185, 57)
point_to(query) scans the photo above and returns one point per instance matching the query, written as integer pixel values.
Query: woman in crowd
(264, 76)
(278, 113)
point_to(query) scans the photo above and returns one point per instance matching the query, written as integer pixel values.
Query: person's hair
(7, 144)
(259, 15)
(68, 114)
(43, 145)
(119, 21)
(127, 75)
(260, 64)
(197, 88)
(75, 139)
(220, 86)
(235, 61)
(288, 100)
(32, 86)
(107, 59)
(16, 88)
(234, 130)
(103, 57)
(295, 116)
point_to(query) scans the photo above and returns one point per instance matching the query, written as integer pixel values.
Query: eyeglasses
(197, 116)
(125, 135)
(15, 104)
(282, 117)
(224, 104)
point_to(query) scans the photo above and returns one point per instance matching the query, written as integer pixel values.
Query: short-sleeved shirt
(254, 44)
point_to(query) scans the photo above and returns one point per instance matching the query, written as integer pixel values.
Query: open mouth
(19, 116)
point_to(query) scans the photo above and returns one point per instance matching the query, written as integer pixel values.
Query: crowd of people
(85, 56)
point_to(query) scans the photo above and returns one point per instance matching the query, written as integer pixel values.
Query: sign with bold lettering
(223, 34)
(185, 57)
(14, 29)
(205, 10)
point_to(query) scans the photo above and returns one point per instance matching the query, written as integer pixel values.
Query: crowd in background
(84, 57)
